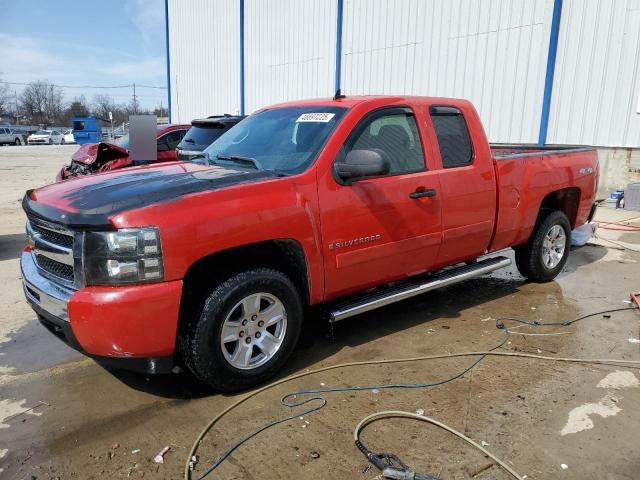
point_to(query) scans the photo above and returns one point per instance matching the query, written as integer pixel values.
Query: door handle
(423, 192)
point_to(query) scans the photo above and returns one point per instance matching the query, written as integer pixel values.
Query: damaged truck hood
(89, 153)
(89, 202)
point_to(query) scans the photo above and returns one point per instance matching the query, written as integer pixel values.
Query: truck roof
(352, 101)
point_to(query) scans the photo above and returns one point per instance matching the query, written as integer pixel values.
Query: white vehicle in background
(68, 136)
(46, 137)
(7, 136)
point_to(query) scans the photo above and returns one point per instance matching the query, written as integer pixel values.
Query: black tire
(529, 257)
(199, 339)
(17, 142)
(62, 141)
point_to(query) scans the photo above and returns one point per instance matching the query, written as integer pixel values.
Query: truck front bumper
(131, 327)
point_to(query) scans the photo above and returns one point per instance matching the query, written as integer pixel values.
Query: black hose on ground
(288, 401)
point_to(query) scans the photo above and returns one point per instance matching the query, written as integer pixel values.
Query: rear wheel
(248, 327)
(62, 141)
(542, 258)
(17, 142)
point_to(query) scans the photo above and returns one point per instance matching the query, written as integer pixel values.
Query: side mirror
(362, 163)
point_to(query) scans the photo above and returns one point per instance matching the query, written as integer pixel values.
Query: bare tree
(5, 99)
(54, 105)
(101, 106)
(133, 107)
(161, 111)
(77, 108)
(41, 102)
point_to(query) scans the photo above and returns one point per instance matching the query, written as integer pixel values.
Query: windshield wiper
(246, 160)
(188, 140)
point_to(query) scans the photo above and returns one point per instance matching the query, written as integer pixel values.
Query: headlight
(130, 255)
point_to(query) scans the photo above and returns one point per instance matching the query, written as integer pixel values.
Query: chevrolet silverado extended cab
(354, 203)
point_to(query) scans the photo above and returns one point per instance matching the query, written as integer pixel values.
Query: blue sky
(86, 42)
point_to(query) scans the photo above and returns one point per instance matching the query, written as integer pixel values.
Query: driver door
(374, 230)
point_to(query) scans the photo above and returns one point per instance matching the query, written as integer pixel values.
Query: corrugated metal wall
(289, 50)
(204, 52)
(596, 86)
(491, 52)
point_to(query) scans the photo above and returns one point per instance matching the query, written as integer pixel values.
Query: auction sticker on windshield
(316, 117)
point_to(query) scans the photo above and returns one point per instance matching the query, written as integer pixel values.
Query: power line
(24, 84)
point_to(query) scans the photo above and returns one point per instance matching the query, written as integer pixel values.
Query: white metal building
(548, 71)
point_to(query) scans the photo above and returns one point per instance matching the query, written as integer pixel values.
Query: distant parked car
(9, 136)
(105, 157)
(68, 136)
(24, 133)
(204, 132)
(46, 137)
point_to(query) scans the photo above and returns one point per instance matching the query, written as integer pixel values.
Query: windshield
(286, 140)
(43, 132)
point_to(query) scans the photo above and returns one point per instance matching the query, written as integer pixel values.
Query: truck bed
(505, 151)
(525, 176)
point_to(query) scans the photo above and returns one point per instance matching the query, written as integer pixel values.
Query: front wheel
(542, 258)
(17, 142)
(62, 141)
(248, 327)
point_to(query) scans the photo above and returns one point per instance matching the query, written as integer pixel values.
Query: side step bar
(371, 301)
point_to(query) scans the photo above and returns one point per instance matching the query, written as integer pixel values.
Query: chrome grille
(52, 248)
(58, 269)
(52, 236)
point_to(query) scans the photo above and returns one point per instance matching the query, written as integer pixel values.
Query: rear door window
(454, 141)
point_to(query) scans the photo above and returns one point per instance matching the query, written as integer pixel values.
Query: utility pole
(135, 100)
(17, 114)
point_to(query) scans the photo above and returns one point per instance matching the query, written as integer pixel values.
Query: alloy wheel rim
(553, 246)
(253, 331)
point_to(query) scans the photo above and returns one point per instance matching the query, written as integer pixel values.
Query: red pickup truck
(353, 202)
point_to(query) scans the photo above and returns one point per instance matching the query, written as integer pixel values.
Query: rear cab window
(454, 141)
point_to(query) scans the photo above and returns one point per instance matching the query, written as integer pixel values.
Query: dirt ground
(61, 414)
